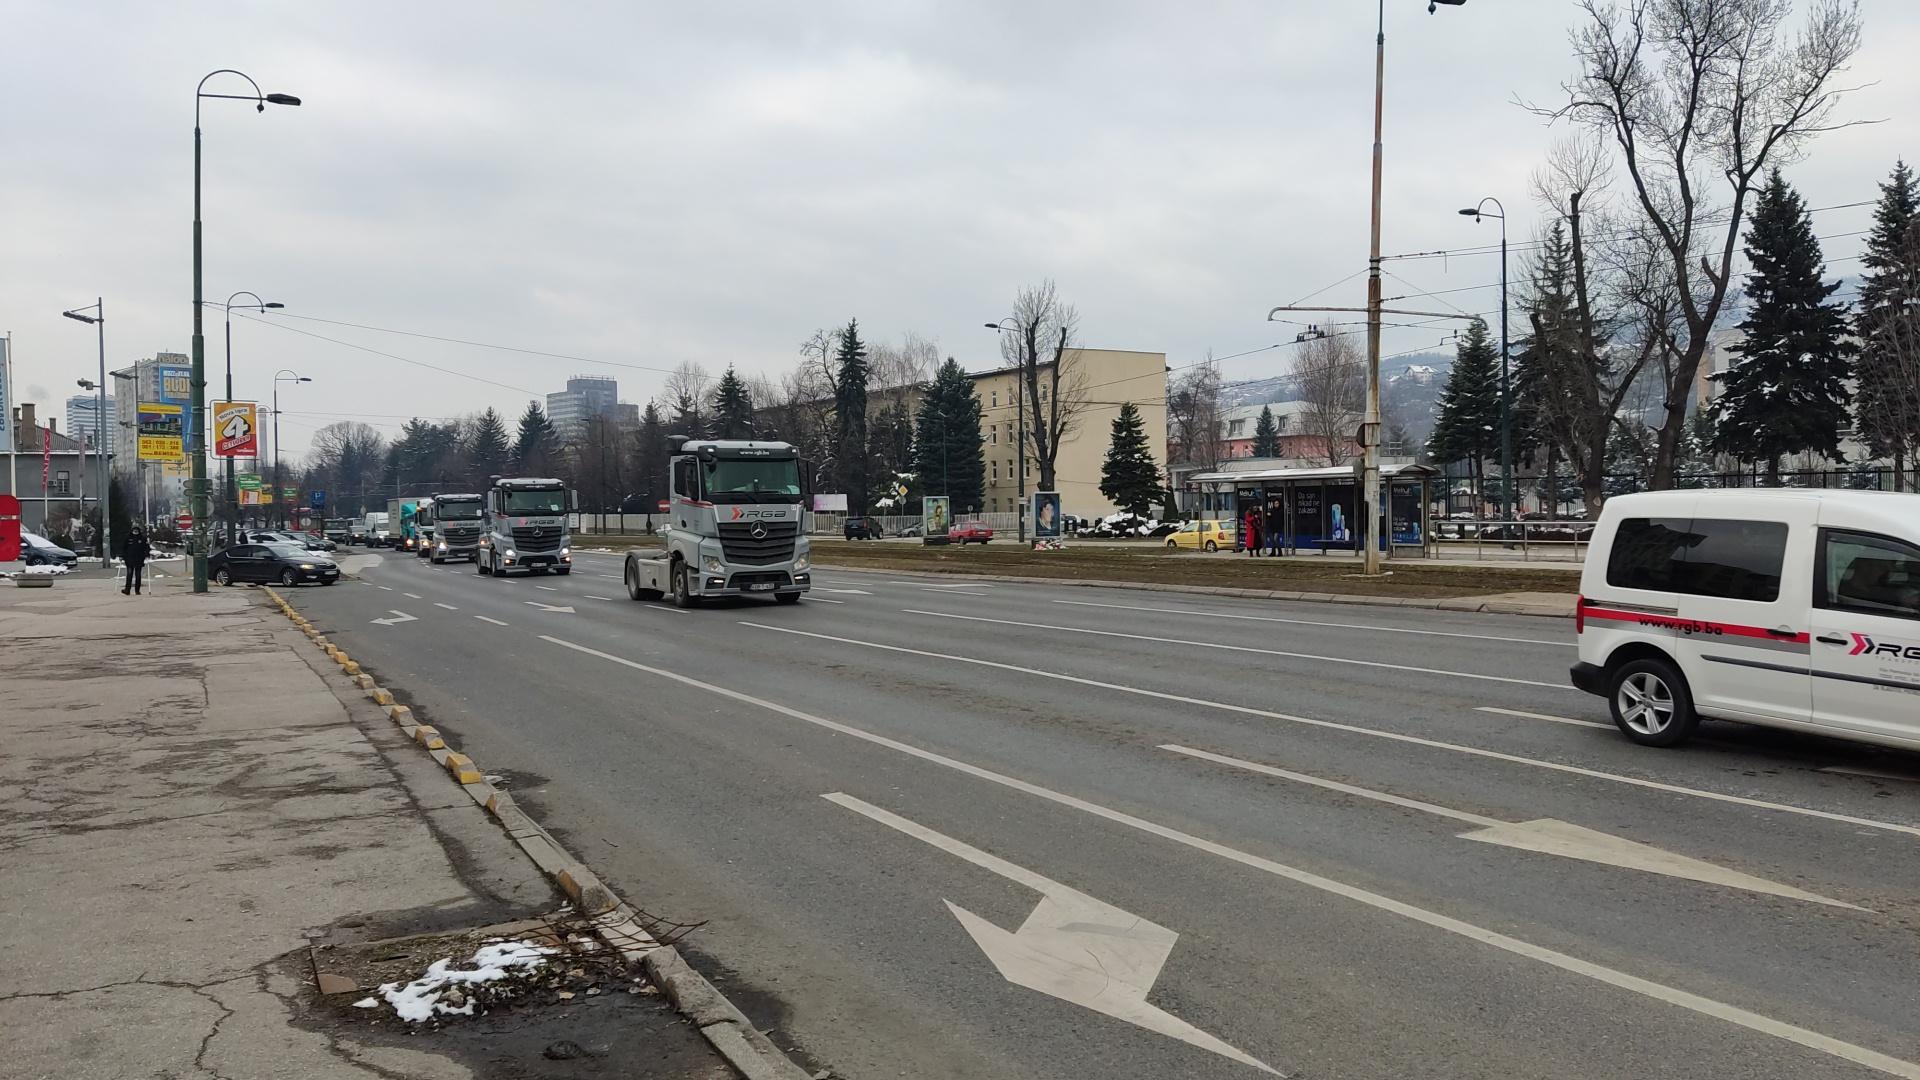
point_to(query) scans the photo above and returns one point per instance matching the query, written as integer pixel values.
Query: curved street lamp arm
(258, 98)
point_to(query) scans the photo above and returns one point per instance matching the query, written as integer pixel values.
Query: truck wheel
(633, 585)
(683, 588)
(787, 598)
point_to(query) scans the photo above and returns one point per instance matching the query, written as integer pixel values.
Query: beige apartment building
(1098, 382)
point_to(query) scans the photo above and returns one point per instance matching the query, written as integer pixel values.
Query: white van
(1783, 607)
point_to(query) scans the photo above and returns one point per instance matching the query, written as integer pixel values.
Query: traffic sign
(317, 499)
(183, 521)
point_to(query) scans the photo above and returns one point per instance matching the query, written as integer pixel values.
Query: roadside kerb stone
(381, 696)
(616, 922)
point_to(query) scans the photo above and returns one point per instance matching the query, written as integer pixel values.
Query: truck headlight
(509, 553)
(802, 563)
(566, 551)
(443, 545)
(712, 565)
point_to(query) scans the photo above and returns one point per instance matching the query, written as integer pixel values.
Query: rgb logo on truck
(1866, 646)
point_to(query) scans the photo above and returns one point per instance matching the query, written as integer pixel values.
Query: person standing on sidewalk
(1275, 526)
(1251, 525)
(136, 551)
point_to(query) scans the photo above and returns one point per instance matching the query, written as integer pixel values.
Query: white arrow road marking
(1072, 947)
(449, 607)
(495, 622)
(1314, 622)
(1355, 729)
(1573, 965)
(1547, 836)
(1541, 716)
(566, 610)
(1242, 648)
(398, 617)
(847, 592)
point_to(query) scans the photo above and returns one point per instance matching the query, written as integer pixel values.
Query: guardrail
(1527, 541)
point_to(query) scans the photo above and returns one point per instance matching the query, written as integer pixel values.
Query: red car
(970, 533)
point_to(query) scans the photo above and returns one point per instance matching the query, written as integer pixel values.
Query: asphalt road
(1332, 841)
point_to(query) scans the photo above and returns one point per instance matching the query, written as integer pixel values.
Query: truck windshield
(730, 480)
(460, 511)
(545, 501)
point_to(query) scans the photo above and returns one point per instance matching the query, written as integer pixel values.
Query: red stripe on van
(1672, 622)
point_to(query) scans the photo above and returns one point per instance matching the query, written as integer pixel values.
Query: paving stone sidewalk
(187, 803)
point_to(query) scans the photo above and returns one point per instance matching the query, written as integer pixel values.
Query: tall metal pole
(1507, 510)
(1020, 443)
(197, 502)
(233, 498)
(278, 496)
(100, 445)
(1370, 424)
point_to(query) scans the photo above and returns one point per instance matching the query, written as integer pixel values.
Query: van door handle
(1828, 639)
(1781, 631)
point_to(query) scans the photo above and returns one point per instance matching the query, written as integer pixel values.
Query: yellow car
(1203, 535)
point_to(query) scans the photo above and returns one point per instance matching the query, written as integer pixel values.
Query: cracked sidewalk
(186, 803)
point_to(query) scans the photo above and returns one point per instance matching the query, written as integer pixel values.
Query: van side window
(1871, 575)
(1733, 560)
(1647, 554)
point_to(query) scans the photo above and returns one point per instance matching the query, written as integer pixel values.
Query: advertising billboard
(161, 436)
(236, 430)
(936, 515)
(1046, 515)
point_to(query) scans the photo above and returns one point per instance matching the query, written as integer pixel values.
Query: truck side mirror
(573, 501)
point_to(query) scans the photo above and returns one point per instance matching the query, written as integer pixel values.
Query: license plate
(762, 586)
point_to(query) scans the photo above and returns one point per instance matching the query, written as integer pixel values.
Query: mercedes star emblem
(759, 531)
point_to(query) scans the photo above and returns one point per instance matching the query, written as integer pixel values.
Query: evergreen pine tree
(1787, 392)
(732, 408)
(487, 448)
(536, 444)
(949, 451)
(1468, 428)
(1886, 418)
(1266, 435)
(651, 455)
(1130, 478)
(850, 418)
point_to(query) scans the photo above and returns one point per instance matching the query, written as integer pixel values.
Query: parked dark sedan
(37, 550)
(287, 564)
(864, 528)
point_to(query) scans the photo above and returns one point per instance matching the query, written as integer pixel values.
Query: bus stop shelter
(1320, 508)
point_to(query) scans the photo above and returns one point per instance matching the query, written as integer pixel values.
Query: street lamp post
(283, 375)
(99, 321)
(1020, 441)
(197, 494)
(233, 495)
(1506, 378)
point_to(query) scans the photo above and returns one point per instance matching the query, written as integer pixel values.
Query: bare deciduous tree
(1331, 377)
(1698, 98)
(1194, 413)
(1042, 336)
(685, 392)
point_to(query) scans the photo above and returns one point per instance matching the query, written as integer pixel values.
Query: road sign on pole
(183, 522)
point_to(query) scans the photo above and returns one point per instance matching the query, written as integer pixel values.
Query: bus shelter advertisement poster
(936, 515)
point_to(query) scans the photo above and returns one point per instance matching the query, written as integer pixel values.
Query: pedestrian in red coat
(1251, 525)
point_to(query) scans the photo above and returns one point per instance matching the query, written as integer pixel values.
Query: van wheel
(1651, 703)
(1211, 546)
(480, 566)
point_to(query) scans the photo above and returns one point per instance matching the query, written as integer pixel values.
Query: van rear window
(1734, 560)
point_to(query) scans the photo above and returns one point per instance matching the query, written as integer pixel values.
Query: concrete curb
(1458, 603)
(615, 922)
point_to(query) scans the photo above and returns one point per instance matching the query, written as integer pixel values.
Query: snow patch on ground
(421, 999)
(42, 570)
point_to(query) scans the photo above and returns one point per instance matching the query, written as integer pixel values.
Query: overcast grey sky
(645, 183)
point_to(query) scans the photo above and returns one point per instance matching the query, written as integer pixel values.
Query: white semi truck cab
(735, 527)
(456, 527)
(523, 526)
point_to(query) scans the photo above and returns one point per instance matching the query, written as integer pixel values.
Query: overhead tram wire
(483, 344)
(1617, 238)
(393, 356)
